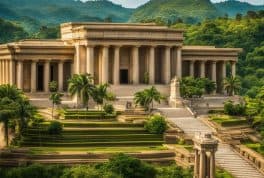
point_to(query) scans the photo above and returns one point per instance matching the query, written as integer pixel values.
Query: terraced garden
(92, 135)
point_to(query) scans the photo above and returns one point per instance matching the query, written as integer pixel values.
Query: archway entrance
(124, 76)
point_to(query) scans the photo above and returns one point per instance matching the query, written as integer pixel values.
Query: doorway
(40, 77)
(124, 76)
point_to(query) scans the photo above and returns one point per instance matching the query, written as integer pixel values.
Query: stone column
(105, 64)
(152, 65)
(223, 77)
(1, 74)
(179, 63)
(212, 164)
(7, 71)
(116, 71)
(77, 60)
(192, 68)
(4, 71)
(167, 65)
(214, 74)
(90, 60)
(202, 69)
(60, 75)
(46, 76)
(135, 59)
(233, 68)
(202, 164)
(33, 76)
(20, 75)
(12, 72)
(196, 164)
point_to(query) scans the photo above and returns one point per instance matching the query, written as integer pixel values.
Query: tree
(100, 94)
(53, 86)
(56, 100)
(24, 111)
(82, 86)
(232, 85)
(147, 97)
(7, 112)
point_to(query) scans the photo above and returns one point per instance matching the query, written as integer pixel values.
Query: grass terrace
(227, 121)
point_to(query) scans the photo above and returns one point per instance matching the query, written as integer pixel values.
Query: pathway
(225, 156)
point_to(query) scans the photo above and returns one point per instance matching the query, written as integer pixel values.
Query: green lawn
(221, 173)
(226, 120)
(46, 150)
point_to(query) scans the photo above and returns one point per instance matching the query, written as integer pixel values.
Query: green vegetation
(156, 124)
(118, 166)
(14, 106)
(55, 128)
(147, 97)
(172, 11)
(190, 87)
(221, 173)
(234, 109)
(228, 121)
(258, 147)
(81, 114)
(232, 85)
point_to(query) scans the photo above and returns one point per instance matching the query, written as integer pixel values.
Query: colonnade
(204, 164)
(34, 73)
(7, 72)
(135, 58)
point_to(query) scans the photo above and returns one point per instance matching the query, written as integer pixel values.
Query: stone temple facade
(120, 54)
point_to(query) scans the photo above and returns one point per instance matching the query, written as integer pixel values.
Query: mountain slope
(232, 7)
(54, 12)
(190, 11)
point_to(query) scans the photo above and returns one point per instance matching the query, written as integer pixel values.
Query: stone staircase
(226, 157)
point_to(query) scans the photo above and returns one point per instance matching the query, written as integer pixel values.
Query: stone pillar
(152, 65)
(135, 59)
(90, 60)
(20, 75)
(77, 60)
(60, 75)
(46, 76)
(212, 164)
(233, 68)
(12, 72)
(202, 164)
(7, 71)
(202, 69)
(33, 76)
(116, 71)
(223, 77)
(196, 164)
(1, 75)
(4, 71)
(105, 64)
(167, 65)
(214, 74)
(192, 68)
(179, 63)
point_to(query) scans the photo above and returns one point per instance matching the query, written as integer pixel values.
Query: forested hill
(33, 13)
(233, 7)
(190, 11)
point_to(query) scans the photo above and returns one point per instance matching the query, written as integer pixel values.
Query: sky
(136, 3)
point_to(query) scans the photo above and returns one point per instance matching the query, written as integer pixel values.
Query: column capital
(214, 62)
(136, 46)
(89, 45)
(117, 46)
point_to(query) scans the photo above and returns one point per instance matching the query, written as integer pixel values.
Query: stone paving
(225, 156)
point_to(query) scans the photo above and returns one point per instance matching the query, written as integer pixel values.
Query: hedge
(233, 123)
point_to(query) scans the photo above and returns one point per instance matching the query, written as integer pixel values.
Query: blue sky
(136, 3)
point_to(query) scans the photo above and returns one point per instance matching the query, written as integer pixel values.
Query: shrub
(156, 124)
(55, 128)
(53, 86)
(109, 108)
(234, 109)
(174, 171)
(86, 172)
(36, 170)
(130, 167)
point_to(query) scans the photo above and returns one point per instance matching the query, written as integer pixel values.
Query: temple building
(120, 54)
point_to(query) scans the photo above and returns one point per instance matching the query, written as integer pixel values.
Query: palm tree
(56, 100)
(11, 92)
(24, 111)
(232, 85)
(82, 86)
(147, 97)
(100, 94)
(7, 112)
